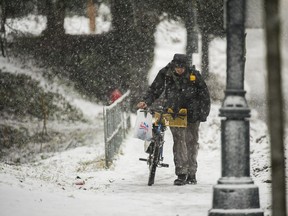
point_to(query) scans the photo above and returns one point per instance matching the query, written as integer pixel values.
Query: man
(183, 87)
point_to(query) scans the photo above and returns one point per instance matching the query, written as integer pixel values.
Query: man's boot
(191, 179)
(181, 180)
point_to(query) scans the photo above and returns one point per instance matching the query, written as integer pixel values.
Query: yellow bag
(168, 120)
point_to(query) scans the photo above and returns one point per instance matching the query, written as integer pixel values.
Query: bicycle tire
(153, 164)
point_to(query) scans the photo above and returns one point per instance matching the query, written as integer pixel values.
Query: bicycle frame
(155, 157)
(158, 136)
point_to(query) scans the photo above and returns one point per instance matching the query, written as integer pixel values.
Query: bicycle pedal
(164, 165)
(143, 159)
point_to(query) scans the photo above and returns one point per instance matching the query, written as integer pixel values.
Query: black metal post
(235, 194)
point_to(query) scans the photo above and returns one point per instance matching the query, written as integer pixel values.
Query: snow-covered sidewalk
(123, 190)
(48, 187)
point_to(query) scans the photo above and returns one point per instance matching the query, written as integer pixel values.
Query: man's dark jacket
(181, 91)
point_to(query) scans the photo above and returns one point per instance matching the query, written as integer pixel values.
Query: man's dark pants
(185, 148)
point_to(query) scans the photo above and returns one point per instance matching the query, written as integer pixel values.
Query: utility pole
(235, 194)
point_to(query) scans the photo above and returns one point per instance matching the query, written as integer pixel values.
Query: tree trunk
(3, 16)
(275, 107)
(133, 31)
(91, 12)
(205, 56)
(192, 34)
(55, 17)
(123, 16)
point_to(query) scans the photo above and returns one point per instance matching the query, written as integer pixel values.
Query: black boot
(191, 179)
(181, 180)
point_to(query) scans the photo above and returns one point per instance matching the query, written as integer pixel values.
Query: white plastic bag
(143, 126)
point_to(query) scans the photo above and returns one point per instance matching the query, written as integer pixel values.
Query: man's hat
(180, 60)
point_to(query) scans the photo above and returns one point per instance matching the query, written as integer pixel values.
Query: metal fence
(116, 125)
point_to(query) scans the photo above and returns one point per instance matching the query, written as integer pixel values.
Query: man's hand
(141, 105)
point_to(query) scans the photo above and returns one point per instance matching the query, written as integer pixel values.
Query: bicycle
(163, 117)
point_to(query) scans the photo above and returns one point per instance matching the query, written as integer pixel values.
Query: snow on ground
(89, 109)
(49, 186)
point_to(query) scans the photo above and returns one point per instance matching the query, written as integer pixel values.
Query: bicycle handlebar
(162, 110)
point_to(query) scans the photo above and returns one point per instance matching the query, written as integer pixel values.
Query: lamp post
(235, 194)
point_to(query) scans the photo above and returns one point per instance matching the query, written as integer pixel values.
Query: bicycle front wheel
(153, 164)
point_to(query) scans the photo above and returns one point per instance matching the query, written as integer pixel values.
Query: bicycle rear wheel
(153, 165)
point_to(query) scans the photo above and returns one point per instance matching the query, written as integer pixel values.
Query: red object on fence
(115, 95)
